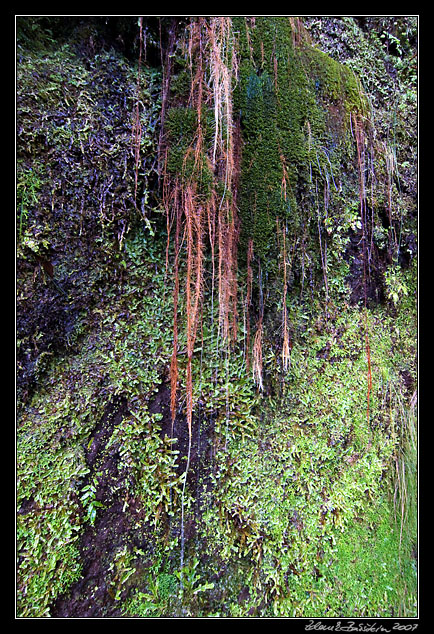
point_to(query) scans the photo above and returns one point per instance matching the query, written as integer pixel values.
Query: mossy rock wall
(292, 109)
(76, 197)
(294, 103)
(293, 495)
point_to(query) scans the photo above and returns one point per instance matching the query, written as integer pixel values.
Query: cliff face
(216, 315)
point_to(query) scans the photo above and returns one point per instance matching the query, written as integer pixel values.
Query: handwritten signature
(352, 626)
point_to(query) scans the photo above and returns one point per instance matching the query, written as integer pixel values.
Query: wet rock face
(54, 295)
(42, 324)
(366, 275)
(76, 195)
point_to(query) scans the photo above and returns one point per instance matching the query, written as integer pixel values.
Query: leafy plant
(123, 567)
(390, 39)
(162, 591)
(190, 580)
(395, 284)
(88, 498)
(29, 183)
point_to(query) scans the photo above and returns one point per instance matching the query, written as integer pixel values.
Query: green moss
(332, 80)
(272, 121)
(367, 576)
(29, 182)
(181, 127)
(291, 135)
(180, 84)
(181, 124)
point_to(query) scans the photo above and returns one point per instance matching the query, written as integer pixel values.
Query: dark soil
(91, 595)
(202, 432)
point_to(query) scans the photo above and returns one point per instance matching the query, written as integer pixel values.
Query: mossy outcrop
(294, 103)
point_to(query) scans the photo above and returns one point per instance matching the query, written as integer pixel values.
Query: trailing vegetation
(216, 317)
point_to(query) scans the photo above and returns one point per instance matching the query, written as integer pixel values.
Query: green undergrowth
(76, 197)
(301, 476)
(312, 482)
(57, 426)
(51, 467)
(78, 116)
(295, 505)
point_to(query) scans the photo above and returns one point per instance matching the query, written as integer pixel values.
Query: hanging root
(174, 360)
(194, 234)
(286, 353)
(194, 215)
(223, 68)
(257, 356)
